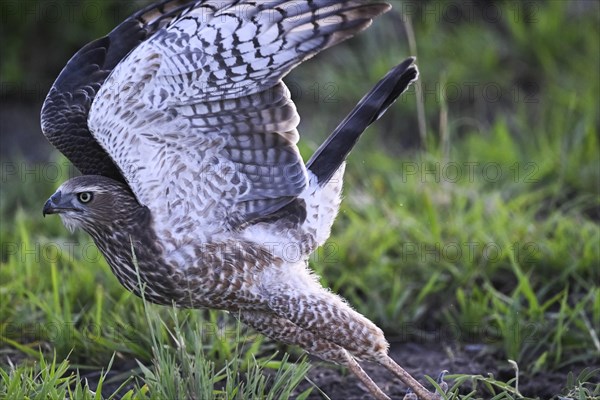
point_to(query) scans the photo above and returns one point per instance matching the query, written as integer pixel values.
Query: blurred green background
(471, 211)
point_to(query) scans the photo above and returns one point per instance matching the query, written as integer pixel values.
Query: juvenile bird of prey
(186, 138)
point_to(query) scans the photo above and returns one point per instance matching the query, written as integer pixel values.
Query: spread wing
(198, 119)
(65, 110)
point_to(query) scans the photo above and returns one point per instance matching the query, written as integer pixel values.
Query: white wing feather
(198, 119)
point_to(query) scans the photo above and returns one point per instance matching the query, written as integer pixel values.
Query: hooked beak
(57, 203)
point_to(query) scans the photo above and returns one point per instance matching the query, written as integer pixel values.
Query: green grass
(487, 233)
(526, 289)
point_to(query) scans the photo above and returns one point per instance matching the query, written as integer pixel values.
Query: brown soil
(420, 360)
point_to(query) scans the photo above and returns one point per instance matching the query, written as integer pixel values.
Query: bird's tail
(332, 153)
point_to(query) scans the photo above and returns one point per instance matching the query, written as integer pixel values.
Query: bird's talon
(441, 376)
(410, 395)
(442, 384)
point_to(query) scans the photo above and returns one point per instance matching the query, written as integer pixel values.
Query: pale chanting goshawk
(186, 137)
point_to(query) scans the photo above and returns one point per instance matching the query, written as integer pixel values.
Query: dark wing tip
(64, 112)
(404, 73)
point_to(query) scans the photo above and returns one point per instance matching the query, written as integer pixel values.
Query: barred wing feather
(198, 119)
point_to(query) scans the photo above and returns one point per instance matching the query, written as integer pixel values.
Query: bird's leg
(283, 330)
(308, 305)
(410, 395)
(364, 378)
(405, 377)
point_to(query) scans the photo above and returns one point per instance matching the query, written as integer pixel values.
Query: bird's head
(90, 202)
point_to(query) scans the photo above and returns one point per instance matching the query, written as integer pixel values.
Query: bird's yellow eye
(84, 197)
